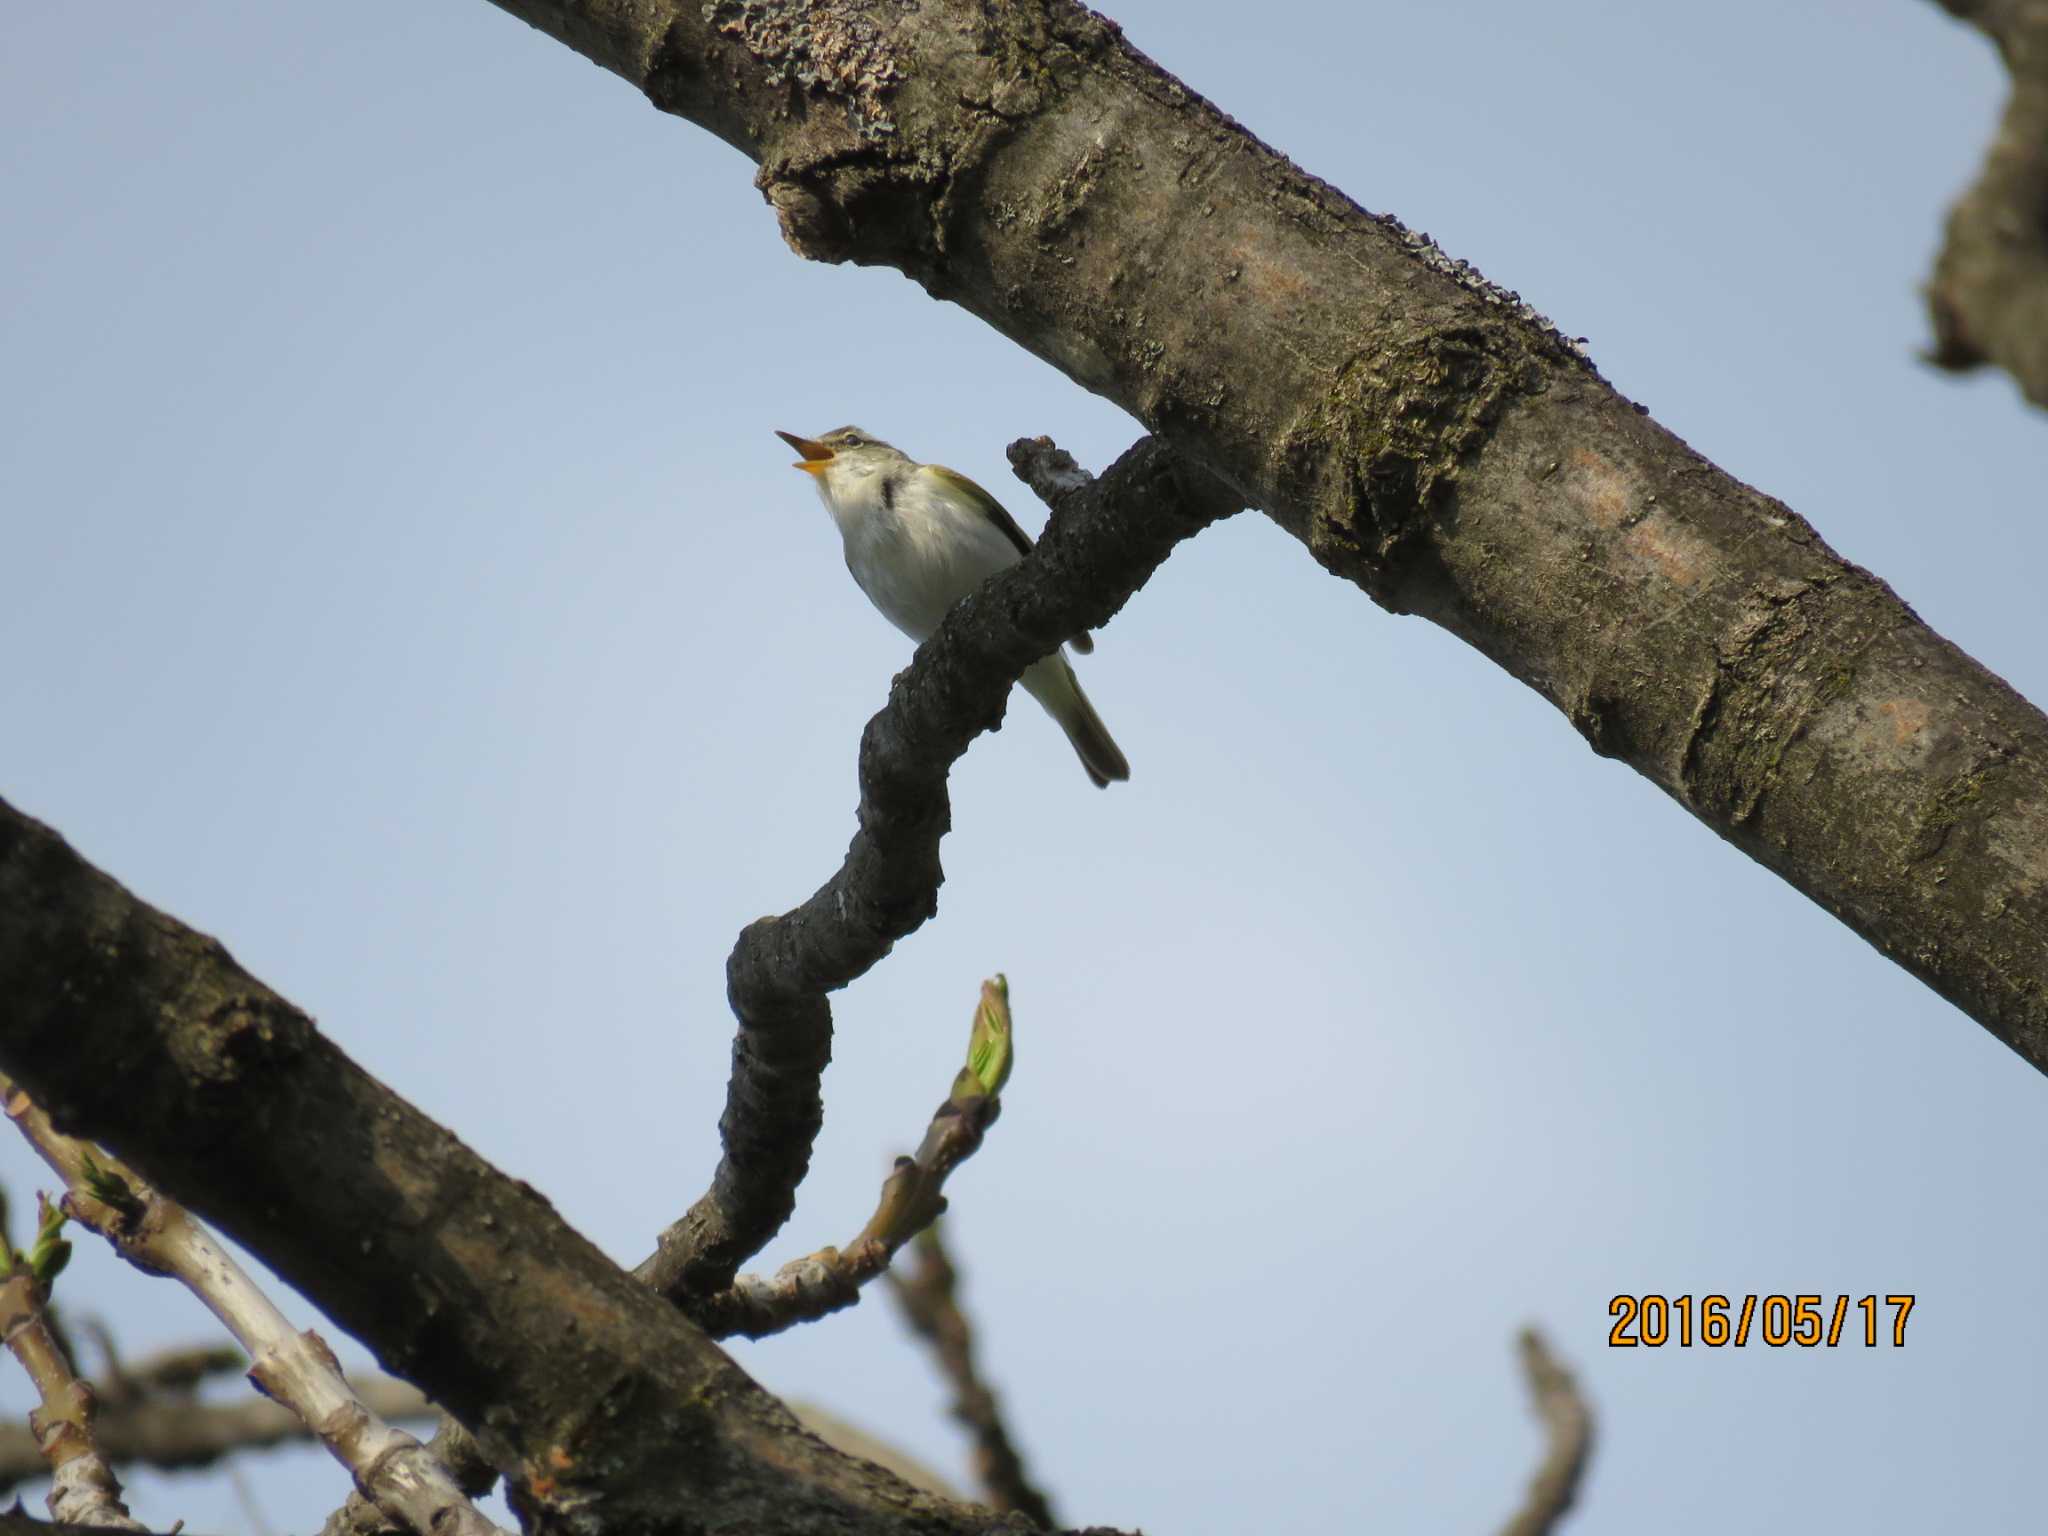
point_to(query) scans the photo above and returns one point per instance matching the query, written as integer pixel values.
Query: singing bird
(919, 537)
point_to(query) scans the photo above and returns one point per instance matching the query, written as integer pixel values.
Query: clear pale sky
(402, 584)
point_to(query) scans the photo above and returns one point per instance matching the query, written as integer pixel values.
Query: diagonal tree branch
(1423, 432)
(604, 1407)
(1988, 296)
(1104, 540)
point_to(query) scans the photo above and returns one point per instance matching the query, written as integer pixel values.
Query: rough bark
(1988, 297)
(1420, 430)
(606, 1408)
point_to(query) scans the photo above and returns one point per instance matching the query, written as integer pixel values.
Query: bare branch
(1568, 1440)
(829, 1280)
(172, 1371)
(1988, 296)
(148, 1038)
(929, 1297)
(83, 1488)
(295, 1368)
(172, 1433)
(1105, 538)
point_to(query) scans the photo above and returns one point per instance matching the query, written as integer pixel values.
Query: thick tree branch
(604, 1407)
(1104, 539)
(1420, 430)
(1988, 297)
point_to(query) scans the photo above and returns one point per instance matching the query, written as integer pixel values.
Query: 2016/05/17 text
(1652, 1320)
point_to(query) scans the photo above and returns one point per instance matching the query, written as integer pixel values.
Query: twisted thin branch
(1105, 538)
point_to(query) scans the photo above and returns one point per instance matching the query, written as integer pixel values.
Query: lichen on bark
(1375, 453)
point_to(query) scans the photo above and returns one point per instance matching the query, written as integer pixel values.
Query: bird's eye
(854, 440)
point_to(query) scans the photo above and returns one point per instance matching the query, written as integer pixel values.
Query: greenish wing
(989, 507)
(998, 514)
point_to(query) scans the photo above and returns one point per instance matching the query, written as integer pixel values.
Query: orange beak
(815, 455)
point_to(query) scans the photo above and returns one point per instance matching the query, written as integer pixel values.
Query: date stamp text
(1652, 1320)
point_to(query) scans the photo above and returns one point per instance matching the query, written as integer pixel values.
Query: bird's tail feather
(1053, 684)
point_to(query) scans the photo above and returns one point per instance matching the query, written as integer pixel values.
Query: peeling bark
(1424, 433)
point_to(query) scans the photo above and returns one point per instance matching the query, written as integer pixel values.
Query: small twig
(929, 1297)
(1052, 473)
(821, 1283)
(114, 1382)
(83, 1488)
(246, 1497)
(294, 1368)
(1568, 1431)
(180, 1371)
(177, 1372)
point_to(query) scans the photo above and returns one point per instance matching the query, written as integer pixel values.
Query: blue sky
(402, 584)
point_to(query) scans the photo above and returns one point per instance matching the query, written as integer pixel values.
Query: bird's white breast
(915, 547)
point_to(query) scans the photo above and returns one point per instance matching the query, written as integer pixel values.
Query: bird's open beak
(815, 455)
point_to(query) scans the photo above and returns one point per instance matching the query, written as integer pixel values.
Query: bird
(919, 537)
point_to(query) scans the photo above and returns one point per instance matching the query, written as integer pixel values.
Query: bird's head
(843, 457)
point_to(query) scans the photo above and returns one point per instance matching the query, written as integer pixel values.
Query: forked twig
(296, 1368)
(826, 1281)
